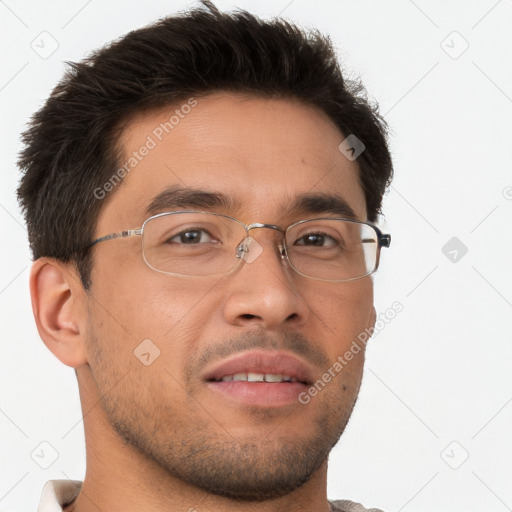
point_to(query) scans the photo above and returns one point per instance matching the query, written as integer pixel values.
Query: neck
(119, 477)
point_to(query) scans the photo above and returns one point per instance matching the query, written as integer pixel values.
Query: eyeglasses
(195, 244)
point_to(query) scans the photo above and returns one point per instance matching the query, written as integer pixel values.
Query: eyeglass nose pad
(249, 249)
(240, 250)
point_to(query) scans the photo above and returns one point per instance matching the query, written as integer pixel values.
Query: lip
(262, 361)
(262, 394)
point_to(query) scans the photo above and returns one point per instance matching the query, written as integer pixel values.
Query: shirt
(59, 493)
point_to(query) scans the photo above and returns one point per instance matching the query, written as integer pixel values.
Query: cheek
(169, 312)
(150, 304)
(343, 316)
(343, 309)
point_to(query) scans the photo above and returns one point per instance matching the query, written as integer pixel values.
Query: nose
(264, 290)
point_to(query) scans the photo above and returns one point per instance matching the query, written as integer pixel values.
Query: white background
(440, 371)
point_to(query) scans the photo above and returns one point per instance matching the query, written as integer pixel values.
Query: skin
(157, 438)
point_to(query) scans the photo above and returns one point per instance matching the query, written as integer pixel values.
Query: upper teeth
(259, 377)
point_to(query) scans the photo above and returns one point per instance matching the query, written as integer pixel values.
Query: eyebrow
(191, 198)
(321, 203)
(184, 197)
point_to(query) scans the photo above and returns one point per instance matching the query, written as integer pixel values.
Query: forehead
(261, 153)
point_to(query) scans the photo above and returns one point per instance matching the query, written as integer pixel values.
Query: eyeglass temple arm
(384, 240)
(113, 236)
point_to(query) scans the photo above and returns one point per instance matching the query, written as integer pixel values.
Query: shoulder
(350, 506)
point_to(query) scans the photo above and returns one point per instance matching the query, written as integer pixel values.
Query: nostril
(248, 316)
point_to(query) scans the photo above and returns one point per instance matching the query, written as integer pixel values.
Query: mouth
(257, 377)
(260, 378)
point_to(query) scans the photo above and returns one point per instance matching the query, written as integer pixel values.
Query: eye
(191, 237)
(317, 240)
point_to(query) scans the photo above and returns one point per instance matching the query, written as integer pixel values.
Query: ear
(59, 307)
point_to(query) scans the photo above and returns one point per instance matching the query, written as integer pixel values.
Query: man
(200, 198)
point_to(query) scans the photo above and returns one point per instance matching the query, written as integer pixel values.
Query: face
(245, 440)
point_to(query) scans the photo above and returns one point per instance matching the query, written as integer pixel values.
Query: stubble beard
(208, 457)
(205, 454)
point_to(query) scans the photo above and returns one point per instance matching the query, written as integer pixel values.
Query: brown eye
(191, 237)
(316, 240)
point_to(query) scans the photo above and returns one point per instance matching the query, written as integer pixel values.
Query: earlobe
(59, 309)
